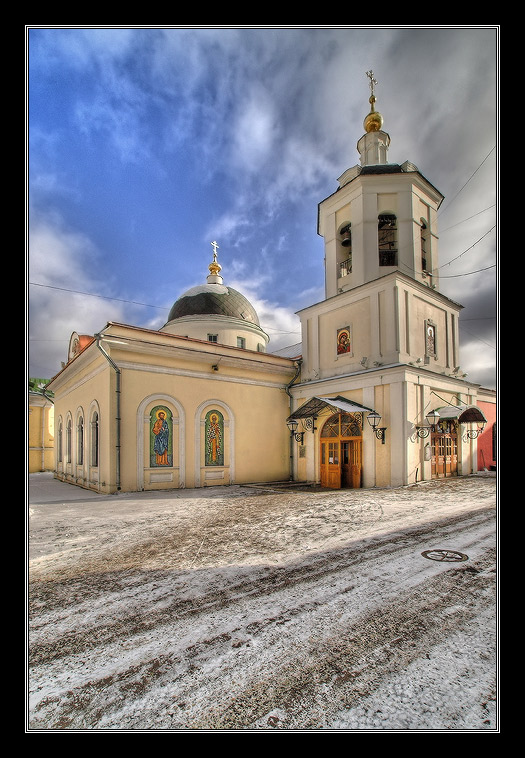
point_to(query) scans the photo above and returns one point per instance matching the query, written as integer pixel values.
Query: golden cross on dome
(373, 81)
(214, 246)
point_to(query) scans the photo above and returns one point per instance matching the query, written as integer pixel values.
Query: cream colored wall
(300, 456)
(247, 388)
(388, 456)
(320, 325)
(355, 315)
(40, 435)
(256, 435)
(387, 319)
(89, 384)
(427, 210)
(418, 460)
(422, 310)
(416, 307)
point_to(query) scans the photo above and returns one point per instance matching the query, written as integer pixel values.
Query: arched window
(80, 440)
(424, 246)
(69, 436)
(345, 254)
(94, 439)
(60, 442)
(387, 239)
(343, 425)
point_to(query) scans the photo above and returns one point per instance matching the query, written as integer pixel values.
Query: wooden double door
(444, 454)
(341, 462)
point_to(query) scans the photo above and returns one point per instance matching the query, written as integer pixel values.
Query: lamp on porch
(374, 419)
(433, 419)
(473, 434)
(292, 426)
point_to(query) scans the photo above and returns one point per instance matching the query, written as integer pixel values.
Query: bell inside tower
(344, 255)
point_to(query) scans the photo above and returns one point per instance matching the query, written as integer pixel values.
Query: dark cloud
(148, 141)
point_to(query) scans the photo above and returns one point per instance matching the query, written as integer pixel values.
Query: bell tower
(381, 270)
(382, 218)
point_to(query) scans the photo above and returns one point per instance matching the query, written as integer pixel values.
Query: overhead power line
(132, 302)
(468, 180)
(442, 231)
(456, 276)
(476, 337)
(104, 297)
(468, 248)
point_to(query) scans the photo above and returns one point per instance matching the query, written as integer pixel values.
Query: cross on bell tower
(372, 81)
(373, 146)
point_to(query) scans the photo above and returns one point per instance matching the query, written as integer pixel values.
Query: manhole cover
(444, 555)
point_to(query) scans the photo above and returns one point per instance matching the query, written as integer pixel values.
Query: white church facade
(374, 396)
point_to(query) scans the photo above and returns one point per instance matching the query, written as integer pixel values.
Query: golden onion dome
(374, 121)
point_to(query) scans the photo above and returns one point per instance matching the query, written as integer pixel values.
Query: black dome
(213, 300)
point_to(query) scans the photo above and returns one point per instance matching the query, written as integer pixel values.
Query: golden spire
(214, 267)
(374, 121)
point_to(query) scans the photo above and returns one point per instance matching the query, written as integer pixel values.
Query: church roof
(385, 168)
(291, 351)
(214, 300)
(314, 406)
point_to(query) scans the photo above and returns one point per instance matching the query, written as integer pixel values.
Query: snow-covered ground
(263, 609)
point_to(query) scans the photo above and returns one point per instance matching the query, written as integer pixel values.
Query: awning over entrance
(313, 407)
(465, 414)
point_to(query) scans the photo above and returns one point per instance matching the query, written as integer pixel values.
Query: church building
(373, 396)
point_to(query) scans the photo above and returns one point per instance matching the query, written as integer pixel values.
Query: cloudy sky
(145, 144)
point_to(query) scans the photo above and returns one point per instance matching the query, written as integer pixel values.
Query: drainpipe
(118, 376)
(297, 372)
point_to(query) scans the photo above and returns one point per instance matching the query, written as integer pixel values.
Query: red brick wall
(487, 452)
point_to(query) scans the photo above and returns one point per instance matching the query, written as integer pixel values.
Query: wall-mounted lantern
(374, 419)
(473, 434)
(292, 426)
(433, 420)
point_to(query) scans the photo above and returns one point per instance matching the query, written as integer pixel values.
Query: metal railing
(345, 267)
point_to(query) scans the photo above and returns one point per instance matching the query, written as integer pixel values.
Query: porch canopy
(464, 414)
(313, 407)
